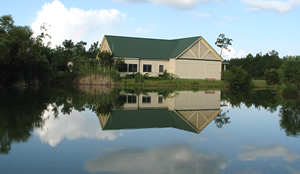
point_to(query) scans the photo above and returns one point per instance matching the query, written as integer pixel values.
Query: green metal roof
(161, 49)
(145, 118)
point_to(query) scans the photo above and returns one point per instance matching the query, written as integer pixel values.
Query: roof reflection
(184, 110)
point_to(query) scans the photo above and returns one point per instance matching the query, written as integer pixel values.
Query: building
(184, 110)
(187, 58)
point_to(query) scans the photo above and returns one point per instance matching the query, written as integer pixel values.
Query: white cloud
(77, 24)
(180, 4)
(72, 127)
(142, 31)
(277, 6)
(202, 15)
(230, 18)
(171, 159)
(253, 153)
(226, 54)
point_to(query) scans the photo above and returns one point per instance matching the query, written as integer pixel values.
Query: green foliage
(119, 63)
(272, 76)
(223, 42)
(106, 59)
(258, 64)
(290, 72)
(25, 59)
(237, 78)
(139, 78)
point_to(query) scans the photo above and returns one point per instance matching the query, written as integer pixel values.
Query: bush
(272, 76)
(290, 72)
(237, 78)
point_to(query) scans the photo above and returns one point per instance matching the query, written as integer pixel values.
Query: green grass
(186, 83)
(261, 84)
(174, 83)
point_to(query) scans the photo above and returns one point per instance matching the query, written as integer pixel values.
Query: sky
(254, 25)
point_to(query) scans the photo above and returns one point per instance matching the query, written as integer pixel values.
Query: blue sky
(254, 25)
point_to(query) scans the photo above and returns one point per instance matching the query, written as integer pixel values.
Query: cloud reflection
(73, 126)
(253, 153)
(171, 159)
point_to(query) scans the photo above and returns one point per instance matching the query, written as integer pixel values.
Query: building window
(161, 68)
(132, 67)
(147, 68)
(160, 99)
(132, 99)
(123, 68)
(123, 98)
(146, 99)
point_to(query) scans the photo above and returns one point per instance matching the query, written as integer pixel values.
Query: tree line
(283, 72)
(26, 59)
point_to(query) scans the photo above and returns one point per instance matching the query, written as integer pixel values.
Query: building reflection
(184, 110)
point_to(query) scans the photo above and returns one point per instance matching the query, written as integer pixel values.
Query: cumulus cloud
(77, 24)
(180, 4)
(253, 153)
(72, 127)
(171, 159)
(277, 6)
(232, 53)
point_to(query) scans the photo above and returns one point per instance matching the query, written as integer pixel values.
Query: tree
(223, 42)
(272, 76)
(290, 74)
(93, 50)
(120, 62)
(237, 78)
(106, 58)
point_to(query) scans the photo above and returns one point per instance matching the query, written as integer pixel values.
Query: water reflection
(252, 153)
(185, 110)
(59, 113)
(79, 125)
(170, 159)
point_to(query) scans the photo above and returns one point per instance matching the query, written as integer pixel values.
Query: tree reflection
(266, 99)
(269, 100)
(221, 120)
(290, 117)
(20, 112)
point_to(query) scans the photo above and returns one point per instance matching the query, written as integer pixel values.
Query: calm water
(101, 130)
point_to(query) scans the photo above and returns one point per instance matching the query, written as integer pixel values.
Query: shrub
(272, 76)
(237, 78)
(290, 72)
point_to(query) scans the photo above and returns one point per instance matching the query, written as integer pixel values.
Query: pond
(94, 129)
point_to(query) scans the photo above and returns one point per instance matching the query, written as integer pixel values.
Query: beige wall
(154, 103)
(189, 100)
(155, 66)
(181, 100)
(198, 69)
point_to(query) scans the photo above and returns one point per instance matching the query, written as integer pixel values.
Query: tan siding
(188, 54)
(192, 69)
(209, 55)
(203, 49)
(195, 49)
(104, 46)
(197, 100)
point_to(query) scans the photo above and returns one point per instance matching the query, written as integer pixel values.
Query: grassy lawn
(189, 83)
(174, 83)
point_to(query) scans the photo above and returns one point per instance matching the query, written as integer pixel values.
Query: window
(123, 68)
(132, 67)
(146, 99)
(161, 68)
(147, 68)
(132, 99)
(160, 99)
(123, 98)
